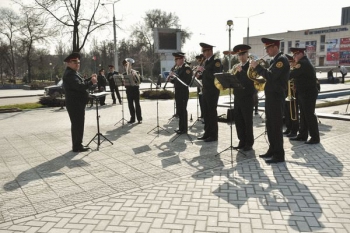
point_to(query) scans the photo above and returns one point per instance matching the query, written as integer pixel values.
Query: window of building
(282, 47)
(289, 45)
(323, 39)
(322, 47)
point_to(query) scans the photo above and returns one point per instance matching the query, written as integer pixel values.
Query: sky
(207, 20)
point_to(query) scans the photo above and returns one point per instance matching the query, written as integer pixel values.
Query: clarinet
(167, 78)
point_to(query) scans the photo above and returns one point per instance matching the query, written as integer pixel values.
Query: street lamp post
(248, 17)
(50, 71)
(229, 24)
(116, 65)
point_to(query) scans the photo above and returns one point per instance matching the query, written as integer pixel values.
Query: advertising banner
(344, 51)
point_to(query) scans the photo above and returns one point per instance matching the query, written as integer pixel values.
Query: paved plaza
(151, 180)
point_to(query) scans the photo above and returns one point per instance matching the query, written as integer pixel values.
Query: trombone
(292, 100)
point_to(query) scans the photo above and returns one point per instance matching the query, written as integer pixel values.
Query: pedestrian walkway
(154, 181)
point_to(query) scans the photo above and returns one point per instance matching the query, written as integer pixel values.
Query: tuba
(129, 62)
(259, 81)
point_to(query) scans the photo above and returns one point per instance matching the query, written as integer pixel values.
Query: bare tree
(33, 30)
(9, 26)
(79, 19)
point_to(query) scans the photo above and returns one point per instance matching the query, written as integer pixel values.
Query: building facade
(327, 46)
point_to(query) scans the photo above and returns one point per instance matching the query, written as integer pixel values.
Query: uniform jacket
(276, 75)
(75, 87)
(111, 79)
(211, 67)
(248, 84)
(304, 75)
(185, 74)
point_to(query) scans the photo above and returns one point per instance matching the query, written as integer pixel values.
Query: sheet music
(118, 79)
(129, 80)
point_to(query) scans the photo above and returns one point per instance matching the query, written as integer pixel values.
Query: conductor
(77, 95)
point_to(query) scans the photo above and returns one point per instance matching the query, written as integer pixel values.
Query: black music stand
(230, 81)
(196, 83)
(119, 81)
(157, 127)
(96, 97)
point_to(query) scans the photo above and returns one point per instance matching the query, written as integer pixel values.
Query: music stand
(196, 83)
(119, 81)
(96, 97)
(230, 81)
(157, 127)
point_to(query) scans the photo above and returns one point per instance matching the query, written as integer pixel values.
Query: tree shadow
(45, 170)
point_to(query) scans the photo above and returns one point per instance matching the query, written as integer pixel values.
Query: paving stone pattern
(154, 181)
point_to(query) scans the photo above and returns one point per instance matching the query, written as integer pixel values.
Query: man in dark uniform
(76, 91)
(276, 76)
(291, 109)
(244, 100)
(184, 77)
(211, 94)
(101, 84)
(112, 85)
(133, 91)
(304, 76)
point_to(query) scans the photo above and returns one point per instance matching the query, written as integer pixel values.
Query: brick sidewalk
(147, 182)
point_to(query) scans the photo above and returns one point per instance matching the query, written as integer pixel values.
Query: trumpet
(259, 81)
(292, 100)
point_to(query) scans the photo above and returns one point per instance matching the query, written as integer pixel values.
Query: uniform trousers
(76, 112)
(181, 99)
(210, 102)
(308, 119)
(274, 107)
(243, 117)
(133, 97)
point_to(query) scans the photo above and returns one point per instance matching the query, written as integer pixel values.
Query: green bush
(51, 101)
(164, 94)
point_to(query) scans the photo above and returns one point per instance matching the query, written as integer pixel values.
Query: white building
(327, 46)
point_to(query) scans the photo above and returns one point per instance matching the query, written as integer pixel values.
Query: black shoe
(131, 121)
(312, 141)
(210, 139)
(247, 148)
(267, 155)
(298, 139)
(81, 149)
(291, 135)
(256, 113)
(287, 131)
(273, 160)
(238, 147)
(202, 138)
(114, 102)
(120, 102)
(139, 122)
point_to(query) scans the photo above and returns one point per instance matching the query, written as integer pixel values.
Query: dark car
(54, 90)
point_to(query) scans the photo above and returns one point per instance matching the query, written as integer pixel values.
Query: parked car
(54, 90)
